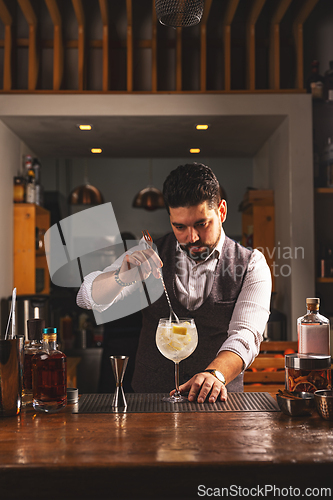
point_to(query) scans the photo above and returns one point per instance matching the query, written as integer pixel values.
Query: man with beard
(225, 287)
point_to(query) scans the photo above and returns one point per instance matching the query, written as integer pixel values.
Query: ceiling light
(194, 150)
(96, 150)
(201, 127)
(85, 127)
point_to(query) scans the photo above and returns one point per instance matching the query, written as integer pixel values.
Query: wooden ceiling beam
(33, 63)
(307, 7)
(203, 45)
(274, 44)
(226, 23)
(79, 13)
(5, 15)
(251, 43)
(154, 49)
(129, 46)
(179, 59)
(7, 20)
(58, 46)
(103, 6)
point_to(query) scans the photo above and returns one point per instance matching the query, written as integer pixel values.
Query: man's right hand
(134, 267)
(139, 265)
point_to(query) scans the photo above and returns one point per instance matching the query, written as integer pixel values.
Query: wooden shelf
(324, 280)
(258, 220)
(31, 274)
(324, 190)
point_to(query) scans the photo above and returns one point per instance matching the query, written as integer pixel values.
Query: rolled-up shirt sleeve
(84, 297)
(251, 311)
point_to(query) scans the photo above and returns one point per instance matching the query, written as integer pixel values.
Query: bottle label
(317, 90)
(314, 339)
(30, 194)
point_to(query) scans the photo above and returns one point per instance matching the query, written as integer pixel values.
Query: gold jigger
(119, 364)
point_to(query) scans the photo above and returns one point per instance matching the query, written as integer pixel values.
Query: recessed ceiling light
(96, 150)
(202, 127)
(194, 150)
(85, 127)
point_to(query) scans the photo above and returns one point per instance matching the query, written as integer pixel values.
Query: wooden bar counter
(163, 455)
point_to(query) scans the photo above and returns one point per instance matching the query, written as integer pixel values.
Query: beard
(200, 250)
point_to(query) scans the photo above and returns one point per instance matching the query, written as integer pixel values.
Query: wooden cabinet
(31, 275)
(258, 224)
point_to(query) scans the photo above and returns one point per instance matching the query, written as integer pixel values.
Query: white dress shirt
(193, 284)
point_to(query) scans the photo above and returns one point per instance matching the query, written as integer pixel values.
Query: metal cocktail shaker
(11, 366)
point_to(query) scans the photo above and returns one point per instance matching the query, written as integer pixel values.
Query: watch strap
(213, 372)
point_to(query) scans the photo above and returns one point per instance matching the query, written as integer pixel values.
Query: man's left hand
(201, 385)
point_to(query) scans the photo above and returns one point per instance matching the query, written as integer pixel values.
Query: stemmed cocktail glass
(176, 341)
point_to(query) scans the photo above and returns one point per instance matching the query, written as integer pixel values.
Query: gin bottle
(49, 375)
(313, 330)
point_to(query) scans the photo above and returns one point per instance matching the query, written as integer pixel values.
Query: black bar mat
(152, 403)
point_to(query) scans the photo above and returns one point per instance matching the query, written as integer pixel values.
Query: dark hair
(190, 185)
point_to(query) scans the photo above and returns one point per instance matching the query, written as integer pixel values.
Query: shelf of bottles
(321, 88)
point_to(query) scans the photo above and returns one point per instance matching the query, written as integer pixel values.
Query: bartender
(225, 287)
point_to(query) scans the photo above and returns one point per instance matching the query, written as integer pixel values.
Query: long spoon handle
(149, 240)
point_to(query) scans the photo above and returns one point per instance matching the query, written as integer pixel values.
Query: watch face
(219, 376)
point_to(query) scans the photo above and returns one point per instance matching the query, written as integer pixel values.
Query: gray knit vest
(155, 373)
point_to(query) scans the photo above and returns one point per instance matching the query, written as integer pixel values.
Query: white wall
(284, 164)
(12, 151)
(120, 179)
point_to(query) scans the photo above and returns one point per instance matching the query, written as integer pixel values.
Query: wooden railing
(216, 12)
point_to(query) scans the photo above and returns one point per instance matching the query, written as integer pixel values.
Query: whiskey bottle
(49, 375)
(39, 191)
(30, 193)
(327, 162)
(328, 81)
(313, 330)
(31, 346)
(315, 82)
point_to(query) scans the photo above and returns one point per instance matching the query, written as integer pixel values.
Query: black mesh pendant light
(179, 13)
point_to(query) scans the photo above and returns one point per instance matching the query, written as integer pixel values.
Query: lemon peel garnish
(179, 330)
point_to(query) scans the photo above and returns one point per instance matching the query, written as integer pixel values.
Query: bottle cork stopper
(50, 334)
(313, 301)
(51, 337)
(35, 328)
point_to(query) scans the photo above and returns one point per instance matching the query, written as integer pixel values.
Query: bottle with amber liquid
(49, 375)
(315, 82)
(31, 346)
(313, 330)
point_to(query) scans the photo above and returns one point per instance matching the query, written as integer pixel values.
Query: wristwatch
(217, 374)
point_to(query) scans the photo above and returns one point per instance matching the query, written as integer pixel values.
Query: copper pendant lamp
(149, 198)
(86, 194)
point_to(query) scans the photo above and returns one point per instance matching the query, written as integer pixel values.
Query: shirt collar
(216, 252)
